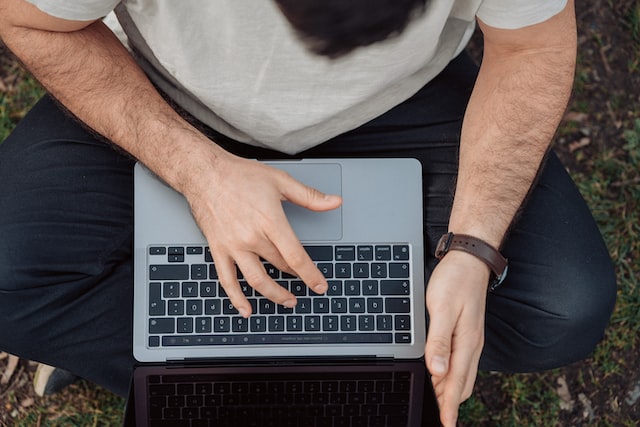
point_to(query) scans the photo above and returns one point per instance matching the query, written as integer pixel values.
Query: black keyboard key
(352, 287)
(357, 305)
(335, 288)
(194, 250)
(398, 305)
(258, 323)
(157, 250)
(403, 338)
(185, 325)
(384, 322)
(330, 323)
(189, 289)
(383, 253)
(343, 270)
(212, 307)
(375, 305)
(320, 305)
(294, 323)
(312, 323)
(345, 253)
(298, 288)
(401, 252)
(276, 323)
(221, 324)
(366, 323)
(266, 306)
(365, 253)
(175, 258)
(171, 289)
(203, 325)
(194, 307)
(161, 326)
(199, 271)
(239, 324)
(402, 323)
(207, 255)
(399, 270)
(303, 306)
(156, 304)
(176, 250)
(326, 269)
(339, 305)
(369, 287)
(348, 323)
(395, 287)
(175, 307)
(208, 289)
(379, 270)
(320, 253)
(169, 272)
(361, 270)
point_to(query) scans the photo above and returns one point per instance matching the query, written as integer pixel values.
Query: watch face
(443, 245)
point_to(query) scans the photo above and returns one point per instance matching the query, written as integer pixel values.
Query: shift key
(169, 272)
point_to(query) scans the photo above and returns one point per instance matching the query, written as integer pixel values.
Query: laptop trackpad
(309, 225)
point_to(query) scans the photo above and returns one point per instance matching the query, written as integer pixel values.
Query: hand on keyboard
(238, 207)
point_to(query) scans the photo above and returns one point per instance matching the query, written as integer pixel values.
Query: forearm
(516, 106)
(95, 77)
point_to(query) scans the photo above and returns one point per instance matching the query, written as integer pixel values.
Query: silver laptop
(370, 250)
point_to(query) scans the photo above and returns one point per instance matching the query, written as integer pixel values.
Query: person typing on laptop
(207, 85)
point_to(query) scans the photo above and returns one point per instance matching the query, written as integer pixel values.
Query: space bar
(250, 339)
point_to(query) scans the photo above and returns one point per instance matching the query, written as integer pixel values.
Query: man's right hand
(238, 206)
(237, 203)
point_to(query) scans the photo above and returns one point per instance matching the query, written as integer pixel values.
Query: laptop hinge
(311, 360)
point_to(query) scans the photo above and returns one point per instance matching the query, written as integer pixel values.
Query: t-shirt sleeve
(76, 10)
(514, 14)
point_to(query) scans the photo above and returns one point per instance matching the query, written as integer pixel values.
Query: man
(306, 79)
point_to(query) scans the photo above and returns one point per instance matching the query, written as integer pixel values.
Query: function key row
(317, 253)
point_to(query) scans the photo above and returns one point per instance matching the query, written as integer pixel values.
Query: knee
(558, 326)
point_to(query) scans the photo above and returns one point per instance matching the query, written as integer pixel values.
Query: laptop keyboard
(368, 300)
(326, 399)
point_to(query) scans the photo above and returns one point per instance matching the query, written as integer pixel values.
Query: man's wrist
(478, 248)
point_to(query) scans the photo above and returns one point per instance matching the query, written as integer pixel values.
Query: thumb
(309, 197)
(438, 348)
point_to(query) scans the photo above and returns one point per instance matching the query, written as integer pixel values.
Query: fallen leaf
(583, 142)
(566, 403)
(587, 412)
(574, 116)
(27, 402)
(12, 364)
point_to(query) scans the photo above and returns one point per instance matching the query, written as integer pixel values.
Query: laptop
(352, 356)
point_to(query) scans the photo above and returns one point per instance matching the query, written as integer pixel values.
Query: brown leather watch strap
(478, 248)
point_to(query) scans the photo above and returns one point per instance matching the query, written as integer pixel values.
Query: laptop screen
(332, 394)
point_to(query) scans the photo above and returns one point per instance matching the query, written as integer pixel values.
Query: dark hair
(336, 27)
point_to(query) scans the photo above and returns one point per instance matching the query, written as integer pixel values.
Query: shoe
(50, 380)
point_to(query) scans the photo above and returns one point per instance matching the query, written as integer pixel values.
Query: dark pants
(66, 238)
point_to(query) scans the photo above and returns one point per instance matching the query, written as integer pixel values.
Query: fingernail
(320, 289)
(439, 365)
(244, 312)
(290, 303)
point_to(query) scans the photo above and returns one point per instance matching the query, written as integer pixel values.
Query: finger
(295, 255)
(308, 197)
(255, 274)
(438, 347)
(227, 276)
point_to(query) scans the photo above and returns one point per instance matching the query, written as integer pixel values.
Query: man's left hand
(456, 300)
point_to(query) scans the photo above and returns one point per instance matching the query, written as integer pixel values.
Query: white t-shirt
(237, 66)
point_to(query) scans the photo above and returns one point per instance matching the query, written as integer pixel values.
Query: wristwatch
(478, 248)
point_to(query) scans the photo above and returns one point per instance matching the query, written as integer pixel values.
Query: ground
(599, 142)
